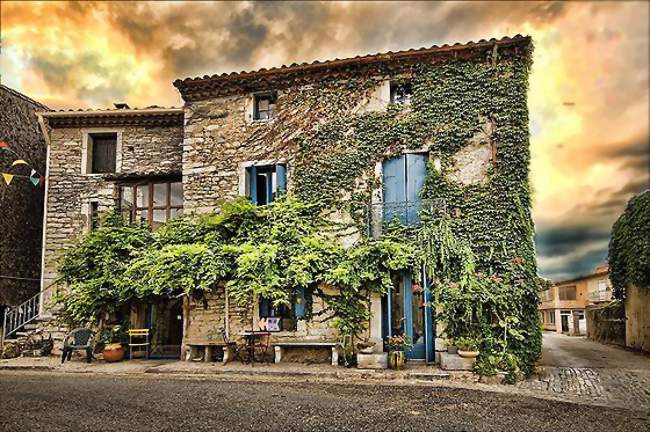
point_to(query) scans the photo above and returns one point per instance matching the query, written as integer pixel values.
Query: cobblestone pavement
(579, 370)
(623, 388)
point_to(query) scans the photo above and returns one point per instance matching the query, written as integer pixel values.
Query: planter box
(454, 362)
(372, 361)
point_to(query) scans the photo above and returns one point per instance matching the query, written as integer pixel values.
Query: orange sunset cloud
(589, 99)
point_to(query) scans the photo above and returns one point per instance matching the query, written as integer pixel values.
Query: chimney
(121, 105)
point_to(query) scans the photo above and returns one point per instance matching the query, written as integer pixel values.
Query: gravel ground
(44, 402)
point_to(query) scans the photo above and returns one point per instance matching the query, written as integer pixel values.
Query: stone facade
(21, 204)
(217, 138)
(143, 152)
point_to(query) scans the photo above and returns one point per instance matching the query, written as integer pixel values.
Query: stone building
(21, 203)
(240, 134)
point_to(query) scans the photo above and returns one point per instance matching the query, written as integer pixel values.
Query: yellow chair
(139, 334)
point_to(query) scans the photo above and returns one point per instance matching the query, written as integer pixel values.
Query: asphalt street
(57, 402)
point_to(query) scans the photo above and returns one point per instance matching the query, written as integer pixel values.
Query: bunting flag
(8, 177)
(34, 176)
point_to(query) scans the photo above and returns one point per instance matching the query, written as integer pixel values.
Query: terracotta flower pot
(396, 360)
(468, 354)
(113, 352)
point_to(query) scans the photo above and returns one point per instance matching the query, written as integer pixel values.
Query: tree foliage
(629, 247)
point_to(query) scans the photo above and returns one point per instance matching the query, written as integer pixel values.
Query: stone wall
(21, 204)
(145, 151)
(606, 324)
(637, 318)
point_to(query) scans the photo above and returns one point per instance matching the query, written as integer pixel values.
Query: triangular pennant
(42, 180)
(8, 177)
(35, 181)
(19, 162)
(33, 173)
(3, 145)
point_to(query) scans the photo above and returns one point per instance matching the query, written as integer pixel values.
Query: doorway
(407, 310)
(164, 319)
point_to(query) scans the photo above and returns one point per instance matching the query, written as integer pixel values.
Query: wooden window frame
(150, 208)
(270, 113)
(92, 136)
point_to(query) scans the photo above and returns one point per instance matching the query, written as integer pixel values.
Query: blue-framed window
(265, 182)
(403, 179)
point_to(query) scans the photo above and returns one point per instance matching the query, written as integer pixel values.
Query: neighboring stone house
(242, 134)
(563, 305)
(21, 203)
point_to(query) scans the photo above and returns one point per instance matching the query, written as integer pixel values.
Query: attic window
(401, 92)
(103, 152)
(264, 106)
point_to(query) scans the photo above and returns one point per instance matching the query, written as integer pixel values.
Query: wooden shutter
(416, 174)
(104, 153)
(281, 178)
(394, 188)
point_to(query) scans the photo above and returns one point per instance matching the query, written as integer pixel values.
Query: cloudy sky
(589, 98)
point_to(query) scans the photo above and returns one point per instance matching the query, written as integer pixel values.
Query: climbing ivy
(481, 256)
(629, 247)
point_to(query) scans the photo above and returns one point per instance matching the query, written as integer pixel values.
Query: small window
(152, 203)
(401, 92)
(103, 150)
(551, 317)
(94, 215)
(264, 108)
(265, 182)
(567, 293)
(286, 315)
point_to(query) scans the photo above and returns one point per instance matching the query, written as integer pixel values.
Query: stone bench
(280, 347)
(207, 347)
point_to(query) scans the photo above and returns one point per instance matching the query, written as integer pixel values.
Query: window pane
(127, 197)
(175, 212)
(143, 216)
(263, 104)
(160, 195)
(177, 194)
(143, 195)
(159, 218)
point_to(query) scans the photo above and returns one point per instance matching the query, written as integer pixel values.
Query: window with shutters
(403, 178)
(151, 202)
(265, 182)
(103, 152)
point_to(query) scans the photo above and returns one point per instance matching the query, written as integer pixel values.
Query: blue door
(407, 310)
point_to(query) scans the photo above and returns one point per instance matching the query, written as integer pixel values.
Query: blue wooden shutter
(252, 183)
(281, 178)
(394, 188)
(300, 303)
(416, 173)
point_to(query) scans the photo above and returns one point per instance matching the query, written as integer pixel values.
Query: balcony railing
(404, 212)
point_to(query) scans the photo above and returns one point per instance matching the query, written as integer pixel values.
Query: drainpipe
(46, 135)
(227, 313)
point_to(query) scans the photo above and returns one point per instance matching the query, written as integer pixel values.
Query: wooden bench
(280, 347)
(207, 347)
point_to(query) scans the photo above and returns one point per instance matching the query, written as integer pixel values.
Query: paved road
(44, 402)
(578, 352)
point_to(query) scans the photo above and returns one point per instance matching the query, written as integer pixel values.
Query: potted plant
(397, 347)
(468, 347)
(112, 338)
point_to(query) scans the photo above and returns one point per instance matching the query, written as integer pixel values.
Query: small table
(207, 346)
(250, 343)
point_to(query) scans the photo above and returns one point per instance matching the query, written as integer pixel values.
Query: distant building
(21, 203)
(563, 305)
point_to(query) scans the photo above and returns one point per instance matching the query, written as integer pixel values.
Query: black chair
(78, 339)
